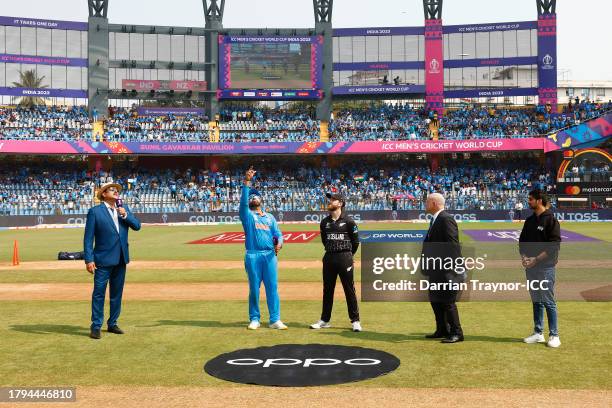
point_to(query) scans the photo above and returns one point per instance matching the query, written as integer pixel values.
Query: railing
(272, 201)
(222, 204)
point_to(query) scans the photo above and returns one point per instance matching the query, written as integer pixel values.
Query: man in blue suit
(107, 225)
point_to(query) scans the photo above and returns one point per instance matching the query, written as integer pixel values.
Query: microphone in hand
(120, 208)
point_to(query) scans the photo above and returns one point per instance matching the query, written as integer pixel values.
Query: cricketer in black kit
(340, 237)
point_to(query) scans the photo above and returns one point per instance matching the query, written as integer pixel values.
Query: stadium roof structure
(432, 62)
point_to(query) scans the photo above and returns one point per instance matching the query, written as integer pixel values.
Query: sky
(584, 35)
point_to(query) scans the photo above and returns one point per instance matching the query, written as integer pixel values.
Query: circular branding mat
(299, 365)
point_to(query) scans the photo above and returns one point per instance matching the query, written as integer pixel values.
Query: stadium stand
(287, 185)
(45, 122)
(381, 122)
(377, 122)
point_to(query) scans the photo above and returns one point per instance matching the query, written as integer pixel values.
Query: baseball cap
(336, 196)
(254, 192)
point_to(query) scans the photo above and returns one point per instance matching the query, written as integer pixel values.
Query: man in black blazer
(441, 243)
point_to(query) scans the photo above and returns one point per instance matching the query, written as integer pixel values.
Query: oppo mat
(300, 365)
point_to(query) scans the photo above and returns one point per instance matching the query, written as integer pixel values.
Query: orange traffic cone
(15, 253)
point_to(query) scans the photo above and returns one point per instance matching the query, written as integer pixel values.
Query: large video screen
(270, 63)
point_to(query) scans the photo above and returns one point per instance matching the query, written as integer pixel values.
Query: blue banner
(38, 60)
(378, 89)
(44, 93)
(392, 236)
(490, 93)
(38, 23)
(370, 66)
(488, 62)
(473, 28)
(368, 31)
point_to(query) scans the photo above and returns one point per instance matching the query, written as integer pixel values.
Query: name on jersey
(261, 226)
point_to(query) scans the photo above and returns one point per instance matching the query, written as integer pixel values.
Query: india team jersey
(259, 230)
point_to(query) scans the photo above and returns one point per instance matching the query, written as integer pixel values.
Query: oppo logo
(299, 365)
(309, 362)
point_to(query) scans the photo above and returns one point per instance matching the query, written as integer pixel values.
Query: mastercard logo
(572, 190)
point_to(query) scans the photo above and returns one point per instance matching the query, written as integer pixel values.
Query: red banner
(179, 86)
(291, 237)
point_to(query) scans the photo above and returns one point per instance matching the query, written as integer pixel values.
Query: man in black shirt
(539, 248)
(340, 237)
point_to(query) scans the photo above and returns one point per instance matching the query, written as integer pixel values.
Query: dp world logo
(300, 365)
(547, 62)
(434, 66)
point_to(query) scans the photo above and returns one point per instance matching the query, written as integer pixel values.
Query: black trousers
(334, 265)
(447, 318)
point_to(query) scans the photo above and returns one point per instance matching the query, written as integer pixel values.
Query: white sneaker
(554, 341)
(534, 338)
(278, 325)
(356, 326)
(320, 325)
(254, 325)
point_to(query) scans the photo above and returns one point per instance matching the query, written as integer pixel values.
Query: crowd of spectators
(126, 125)
(247, 124)
(286, 185)
(45, 189)
(385, 122)
(393, 121)
(45, 122)
(473, 122)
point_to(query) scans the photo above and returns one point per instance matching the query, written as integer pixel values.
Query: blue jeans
(538, 317)
(543, 298)
(115, 275)
(262, 266)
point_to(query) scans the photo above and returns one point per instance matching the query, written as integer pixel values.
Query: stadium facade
(98, 60)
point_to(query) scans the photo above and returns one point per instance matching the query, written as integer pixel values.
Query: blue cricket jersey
(259, 230)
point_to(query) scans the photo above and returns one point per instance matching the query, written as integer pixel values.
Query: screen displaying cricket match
(269, 63)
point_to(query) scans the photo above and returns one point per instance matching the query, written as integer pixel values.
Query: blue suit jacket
(111, 247)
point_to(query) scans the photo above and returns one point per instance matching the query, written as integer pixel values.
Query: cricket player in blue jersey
(263, 240)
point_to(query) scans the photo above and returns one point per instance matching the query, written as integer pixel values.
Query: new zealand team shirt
(259, 230)
(341, 235)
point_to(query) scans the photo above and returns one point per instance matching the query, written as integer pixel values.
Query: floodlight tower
(323, 26)
(98, 63)
(213, 14)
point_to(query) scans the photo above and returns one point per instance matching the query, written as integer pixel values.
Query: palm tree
(28, 79)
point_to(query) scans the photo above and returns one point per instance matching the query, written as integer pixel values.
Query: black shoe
(115, 329)
(453, 339)
(436, 335)
(95, 334)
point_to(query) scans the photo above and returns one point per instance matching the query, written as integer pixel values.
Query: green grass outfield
(168, 342)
